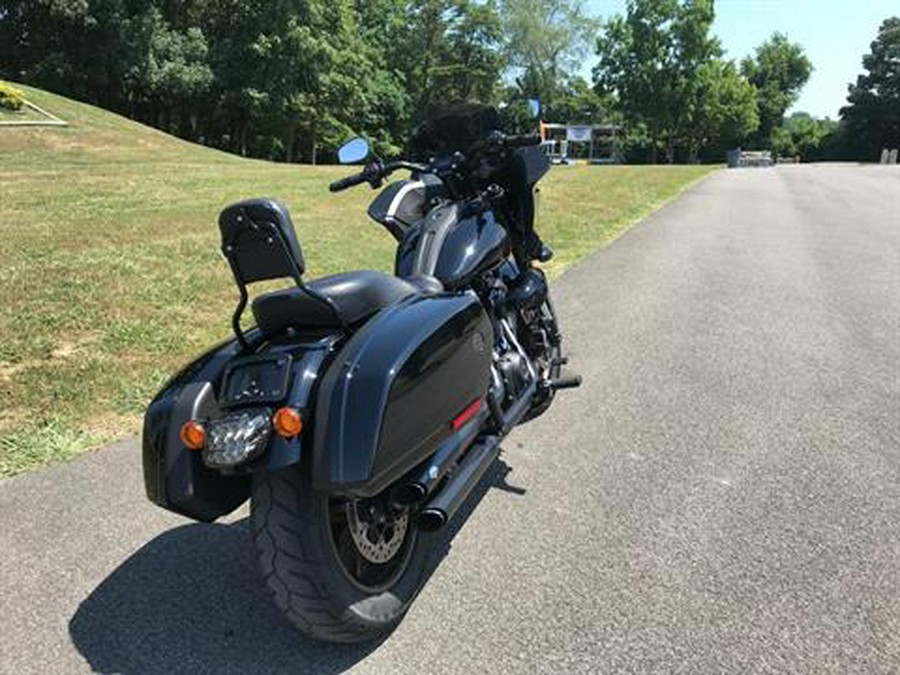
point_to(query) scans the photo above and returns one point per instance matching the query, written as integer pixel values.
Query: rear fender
(176, 478)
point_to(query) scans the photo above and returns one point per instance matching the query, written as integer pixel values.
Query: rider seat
(353, 296)
(260, 243)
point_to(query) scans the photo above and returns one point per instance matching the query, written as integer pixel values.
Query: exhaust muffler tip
(410, 493)
(431, 520)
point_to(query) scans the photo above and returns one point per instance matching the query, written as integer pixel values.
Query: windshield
(451, 129)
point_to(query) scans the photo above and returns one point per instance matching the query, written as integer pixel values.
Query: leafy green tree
(279, 79)
(473, 58)
(168, 75)
(121, 55)
(451, 52)
(779, 69)
(802, 135)
(580, 103)
(546, 41)
(664, 69)
(721, 110)
(872, 117)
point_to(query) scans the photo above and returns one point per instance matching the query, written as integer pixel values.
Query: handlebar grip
(348, 182)
(523, 140)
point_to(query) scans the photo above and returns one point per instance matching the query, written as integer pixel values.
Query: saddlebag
(390, 397)
(175, 478)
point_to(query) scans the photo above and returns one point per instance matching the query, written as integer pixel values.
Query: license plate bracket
(255, 379)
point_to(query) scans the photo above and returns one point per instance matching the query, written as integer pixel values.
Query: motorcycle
(362, 409)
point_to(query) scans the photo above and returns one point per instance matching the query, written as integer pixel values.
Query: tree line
(285, 79)
(681, 97)
(290, 79)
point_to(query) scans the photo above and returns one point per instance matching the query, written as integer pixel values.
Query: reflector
(466, 414)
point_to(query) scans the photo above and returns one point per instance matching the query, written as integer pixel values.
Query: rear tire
(294, 529)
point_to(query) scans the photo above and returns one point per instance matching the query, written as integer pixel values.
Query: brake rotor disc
(377, 540)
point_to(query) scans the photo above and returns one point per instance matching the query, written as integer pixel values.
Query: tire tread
(289, 568)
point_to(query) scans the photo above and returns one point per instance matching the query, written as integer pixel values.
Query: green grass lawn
(111, 275)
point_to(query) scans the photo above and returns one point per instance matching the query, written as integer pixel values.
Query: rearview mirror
(353, 151)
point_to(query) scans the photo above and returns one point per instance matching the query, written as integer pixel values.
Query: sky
(834, 33)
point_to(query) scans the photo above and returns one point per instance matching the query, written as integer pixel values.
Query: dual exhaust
(438, 511)
(462, 475)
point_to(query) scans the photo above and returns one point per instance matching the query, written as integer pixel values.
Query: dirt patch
(63, 351)
(113, 425)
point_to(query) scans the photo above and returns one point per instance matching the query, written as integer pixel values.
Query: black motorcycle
(363, 408)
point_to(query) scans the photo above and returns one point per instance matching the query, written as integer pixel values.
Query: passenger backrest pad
(260, 242)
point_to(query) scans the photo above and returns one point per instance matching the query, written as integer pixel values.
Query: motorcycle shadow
(192, 601)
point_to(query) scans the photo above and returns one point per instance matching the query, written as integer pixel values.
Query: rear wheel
(341, 570)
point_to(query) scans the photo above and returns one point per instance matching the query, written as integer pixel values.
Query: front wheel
(341, 570)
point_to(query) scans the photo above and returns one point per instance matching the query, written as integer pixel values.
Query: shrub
(10, 97)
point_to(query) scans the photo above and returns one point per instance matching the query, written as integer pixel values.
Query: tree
(449, 50)
(661, 64)
(285, 79)
(779, 70)
(546, 40)
(168, 73)
(579, 103)
(474, 59)
(802, 135)
(872, 116)
(721, 110)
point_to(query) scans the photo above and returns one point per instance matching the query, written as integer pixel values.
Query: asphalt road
(722, 495)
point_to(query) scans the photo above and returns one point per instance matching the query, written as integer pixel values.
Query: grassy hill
(111, 277)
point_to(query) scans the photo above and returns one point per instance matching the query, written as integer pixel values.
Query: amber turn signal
(193, 435)
(287, 422)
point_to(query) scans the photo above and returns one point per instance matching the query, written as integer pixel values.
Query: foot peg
(566, 382)
(560, 361)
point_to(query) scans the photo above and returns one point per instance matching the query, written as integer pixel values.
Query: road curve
(722, 494)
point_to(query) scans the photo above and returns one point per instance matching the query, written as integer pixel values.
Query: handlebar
(348, 182)
(374, 172)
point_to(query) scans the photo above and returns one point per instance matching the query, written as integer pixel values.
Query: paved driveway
(722, 495)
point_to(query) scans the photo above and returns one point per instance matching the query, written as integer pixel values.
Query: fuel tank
(452, 246)
(392, 394)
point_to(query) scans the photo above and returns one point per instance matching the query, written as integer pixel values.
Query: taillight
(237, 438)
